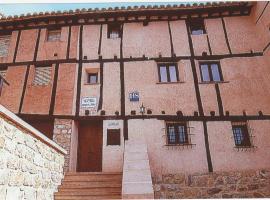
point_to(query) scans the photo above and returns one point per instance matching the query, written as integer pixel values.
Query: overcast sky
(24, 8)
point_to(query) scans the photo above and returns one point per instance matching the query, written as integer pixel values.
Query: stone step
(86, 192)
(92, 173)
(67, 197)
(94, 178)
(95, 190)
(84, 184)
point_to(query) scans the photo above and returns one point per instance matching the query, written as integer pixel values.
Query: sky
(24, 8)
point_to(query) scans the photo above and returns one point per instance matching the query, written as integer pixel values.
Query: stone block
(135, 176)
(136, 165)
(2, 142)
(14, 193)
(3, 192)
(138, 190)
(16, 178)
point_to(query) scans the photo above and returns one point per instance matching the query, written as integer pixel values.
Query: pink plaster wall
(65, 89)
(11, 49)
(47, 49)
(91, 34)
(109, 47)
(11, 94)
(169, 159)
(216, 36)
(226, 158)
(37, 97)
(180, 38)
(241, 34)
(89, 90)
(149, 40)
(170, 97)
(248, 87)
(200, 44)
(111, 88)
(74, 42)
(27, 45)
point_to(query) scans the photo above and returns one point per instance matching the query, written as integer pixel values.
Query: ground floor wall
(227, 184)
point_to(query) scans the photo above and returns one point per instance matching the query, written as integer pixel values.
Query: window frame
(177, 133)
(92, 74)
(114, 131)
(210, 73)
(53, 29)
(111, 27)
(245, 134)
(197, 20)
(6, 34)
(167, 65)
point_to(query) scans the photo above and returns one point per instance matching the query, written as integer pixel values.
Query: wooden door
(90, 147)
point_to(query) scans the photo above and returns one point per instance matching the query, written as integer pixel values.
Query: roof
(213, 9)
(125, 9)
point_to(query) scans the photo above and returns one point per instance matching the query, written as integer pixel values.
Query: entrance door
(90, 147)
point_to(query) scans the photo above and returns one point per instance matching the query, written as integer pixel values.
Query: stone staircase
(90, 185)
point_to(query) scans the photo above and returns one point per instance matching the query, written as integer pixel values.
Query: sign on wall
(89, 102)
(134, 96)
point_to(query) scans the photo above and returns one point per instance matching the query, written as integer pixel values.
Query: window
(42, 75)
(241, 135)
(92, 78)
(3, 76)
(197, 26)
(168, 72)
(54, 35)
(211, 72)
(114, 31)
(113, 136)
(177, 133)
(4, 44)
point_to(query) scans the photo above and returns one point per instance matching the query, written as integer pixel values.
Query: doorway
(90, 146)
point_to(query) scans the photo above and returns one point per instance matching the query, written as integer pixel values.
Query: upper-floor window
(3, 72)
(197, 26)
(92, 78)
(4, 44)
(114, 31)
(54, 34)
(177, 133)
(240, 134)
(42, 75)
(168, 72)
(211, 72)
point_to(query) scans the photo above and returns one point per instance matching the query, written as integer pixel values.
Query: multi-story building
(188, 82)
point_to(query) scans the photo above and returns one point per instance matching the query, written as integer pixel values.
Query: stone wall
(244, 184)
(62, 136)
(31, 165)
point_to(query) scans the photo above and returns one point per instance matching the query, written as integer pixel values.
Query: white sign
(89, 102)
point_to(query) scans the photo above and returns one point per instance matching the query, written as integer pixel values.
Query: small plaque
(89, 102)
(134, 96)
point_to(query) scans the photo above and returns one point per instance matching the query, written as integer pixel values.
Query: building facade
(191, 82)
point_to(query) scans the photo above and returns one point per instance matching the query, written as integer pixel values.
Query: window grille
(177, 134)
(42, 75)
(242, 136)
(54, 35)
(114, 31)
(4, 45)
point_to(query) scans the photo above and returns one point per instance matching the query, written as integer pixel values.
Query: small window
(177, 133)
(241, 135)
(92, 78)
(114, 31)
(113, 136)
(42, 75)
(2, 77)
(197, 27)
(4, 44)
(211, 72)
(168, 72)
(54, 35)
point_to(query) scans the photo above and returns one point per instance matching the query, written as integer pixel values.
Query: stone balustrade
(31, 165)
